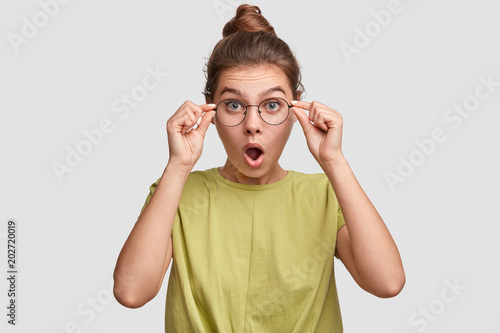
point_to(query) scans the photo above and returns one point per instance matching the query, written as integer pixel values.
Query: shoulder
(195, 179)
(200, 177)
(199, 182)
(316, 185)
(314, 177)
(315, 181)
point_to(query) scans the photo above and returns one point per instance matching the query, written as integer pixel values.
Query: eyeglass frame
(258, 110)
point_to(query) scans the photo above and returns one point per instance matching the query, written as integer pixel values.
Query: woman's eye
(233, 105)
(273, 106)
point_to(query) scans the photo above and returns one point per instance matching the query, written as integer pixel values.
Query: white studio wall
(87, 88)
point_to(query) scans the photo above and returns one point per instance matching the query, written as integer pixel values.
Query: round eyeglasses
(232, 112)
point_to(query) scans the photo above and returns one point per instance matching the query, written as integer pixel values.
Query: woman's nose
(253, 122)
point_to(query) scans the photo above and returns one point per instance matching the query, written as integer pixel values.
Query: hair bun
(248, 18)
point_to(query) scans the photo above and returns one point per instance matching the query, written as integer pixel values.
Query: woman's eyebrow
(242, 94)
(232, 90)
(271, 90)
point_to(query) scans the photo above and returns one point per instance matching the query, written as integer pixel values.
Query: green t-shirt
(254, 258)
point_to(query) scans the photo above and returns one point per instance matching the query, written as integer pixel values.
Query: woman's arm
(146, 255)
(364, 244)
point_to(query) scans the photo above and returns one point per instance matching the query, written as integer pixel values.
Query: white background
(64, 79)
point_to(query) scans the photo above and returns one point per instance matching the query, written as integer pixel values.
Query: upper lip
(253, 145)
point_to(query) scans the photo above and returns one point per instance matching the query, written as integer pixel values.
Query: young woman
(253, 244)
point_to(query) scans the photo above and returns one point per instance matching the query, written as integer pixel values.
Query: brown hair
(249, 40)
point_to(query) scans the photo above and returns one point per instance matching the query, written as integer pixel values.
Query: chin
(258, 172)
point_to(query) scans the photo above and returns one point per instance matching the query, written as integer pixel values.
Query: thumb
(205, 122)
(303, 118)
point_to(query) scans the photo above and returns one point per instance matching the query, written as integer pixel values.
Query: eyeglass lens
(232, 112)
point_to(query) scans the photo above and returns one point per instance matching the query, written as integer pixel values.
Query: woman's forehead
(256, 70)
(253, 80)
(262, 92)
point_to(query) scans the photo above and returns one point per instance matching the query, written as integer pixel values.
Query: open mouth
(254, 153)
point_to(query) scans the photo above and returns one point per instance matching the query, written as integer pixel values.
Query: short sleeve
(340, 224)
(152, 189)
(340, 216)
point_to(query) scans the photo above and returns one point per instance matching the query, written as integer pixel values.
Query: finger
(317, 114)
(301, 104)
(303, 119)
(320, 121)
(205, 122)
(195, 116)
(208, 107)
(197, 123)
(198, 110)
(189, 123)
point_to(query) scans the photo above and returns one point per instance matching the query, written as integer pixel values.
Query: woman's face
(254, 147)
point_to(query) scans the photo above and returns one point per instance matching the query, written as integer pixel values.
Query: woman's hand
(185, 143)
(324, 134)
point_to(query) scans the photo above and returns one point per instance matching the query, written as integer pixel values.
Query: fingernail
(212, 105)
(293, 102)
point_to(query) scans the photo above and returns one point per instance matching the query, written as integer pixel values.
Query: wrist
(178, 167)
(336, 168)
(334, 161)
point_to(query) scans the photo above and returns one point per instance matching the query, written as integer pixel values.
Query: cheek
(280, 138)
(228, 137)
(285, 133)
(288, 126)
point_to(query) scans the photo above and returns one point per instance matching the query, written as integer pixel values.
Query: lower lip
(254, 163)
